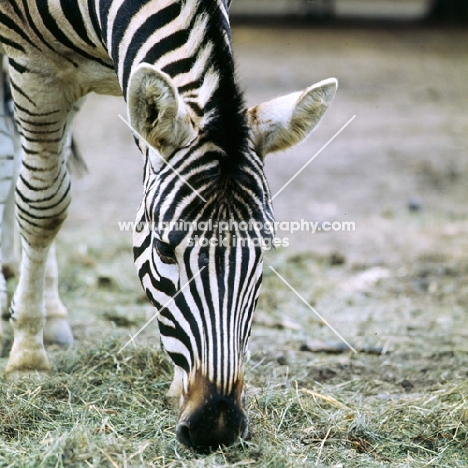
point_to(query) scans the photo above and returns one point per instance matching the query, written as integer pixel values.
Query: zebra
(203, 165)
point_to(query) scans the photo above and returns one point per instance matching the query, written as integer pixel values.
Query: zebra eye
(165, 252)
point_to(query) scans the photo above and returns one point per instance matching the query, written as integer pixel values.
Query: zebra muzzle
(209, 419)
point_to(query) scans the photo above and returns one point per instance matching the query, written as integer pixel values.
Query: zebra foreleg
(36, 289)
(37, 314)
(35, 294)
(42, 199)
(27, 316)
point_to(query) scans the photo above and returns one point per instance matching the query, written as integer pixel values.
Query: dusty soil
(396, 287)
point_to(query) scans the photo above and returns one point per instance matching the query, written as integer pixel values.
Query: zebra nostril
(183, 434)
(222, 407)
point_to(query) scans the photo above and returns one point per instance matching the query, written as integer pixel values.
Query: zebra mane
(229, 128)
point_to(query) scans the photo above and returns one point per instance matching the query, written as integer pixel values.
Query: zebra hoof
(57, 331)
(26, 364)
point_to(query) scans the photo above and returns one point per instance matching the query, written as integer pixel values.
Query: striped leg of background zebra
(8, 149)
(206, 212)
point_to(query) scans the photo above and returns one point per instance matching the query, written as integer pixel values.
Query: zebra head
(204, 223)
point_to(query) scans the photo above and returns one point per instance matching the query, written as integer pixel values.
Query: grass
(101, 408)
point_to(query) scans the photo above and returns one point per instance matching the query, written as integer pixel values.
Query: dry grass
(406, 408)
(100, 408)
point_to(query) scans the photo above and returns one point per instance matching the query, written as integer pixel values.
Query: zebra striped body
(203, 153)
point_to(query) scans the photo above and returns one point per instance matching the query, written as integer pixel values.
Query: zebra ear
(157, 111)
(283, 122)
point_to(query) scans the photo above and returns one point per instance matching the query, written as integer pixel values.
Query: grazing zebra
(203, 166)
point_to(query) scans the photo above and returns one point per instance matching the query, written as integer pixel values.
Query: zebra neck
(179, 37)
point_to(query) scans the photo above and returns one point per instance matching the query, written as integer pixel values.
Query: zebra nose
(219, 422)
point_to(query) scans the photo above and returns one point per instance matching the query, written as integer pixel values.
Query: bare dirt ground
(395, 288)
